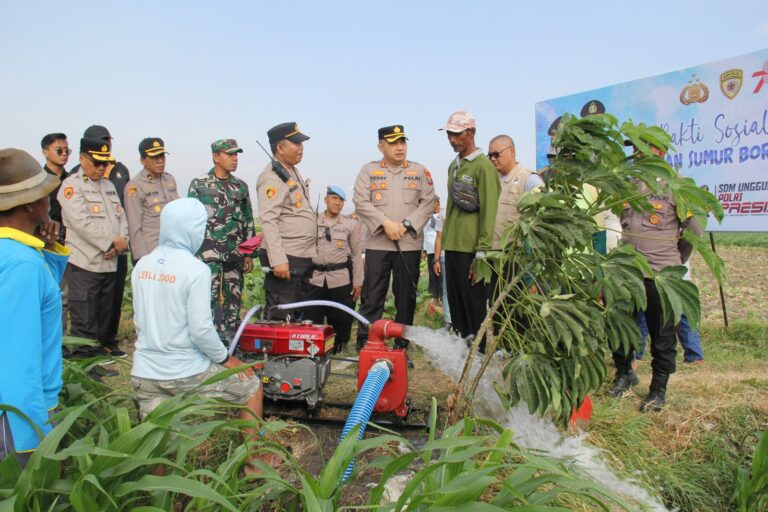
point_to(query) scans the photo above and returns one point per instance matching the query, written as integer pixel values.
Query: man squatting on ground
(177, 346)
(31, 265)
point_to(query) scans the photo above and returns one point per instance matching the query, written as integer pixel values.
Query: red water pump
(395, 393)
(296, 358)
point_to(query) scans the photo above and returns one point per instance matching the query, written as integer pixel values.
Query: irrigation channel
(448, 353)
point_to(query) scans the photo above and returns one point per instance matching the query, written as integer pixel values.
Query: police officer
(118, 174)
(394, 198)
(230, 223)
(97, 233)
(145, 197)
(288, 223)
(338, 253)
(655, 234)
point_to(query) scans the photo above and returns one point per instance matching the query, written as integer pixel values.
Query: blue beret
(333, 189)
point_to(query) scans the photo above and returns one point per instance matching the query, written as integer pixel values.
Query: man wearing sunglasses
(394, 198)
(97, 233)
(338, 267)
(56, 152)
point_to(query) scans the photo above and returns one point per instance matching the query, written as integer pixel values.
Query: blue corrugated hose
(364, 403)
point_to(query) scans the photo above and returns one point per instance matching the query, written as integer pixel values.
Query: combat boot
(622, 383)
(656, 398)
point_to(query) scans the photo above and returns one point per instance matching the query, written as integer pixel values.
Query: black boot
(624, 380)
(655, 400)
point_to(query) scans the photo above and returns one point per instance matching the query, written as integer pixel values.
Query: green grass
(689, 454)
(741, 240)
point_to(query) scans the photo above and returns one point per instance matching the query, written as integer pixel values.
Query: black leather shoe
(623, 383)
(654, 402)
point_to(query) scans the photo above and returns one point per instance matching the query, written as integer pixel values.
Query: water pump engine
(296, 358)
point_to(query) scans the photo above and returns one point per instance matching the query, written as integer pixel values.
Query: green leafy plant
(752, 485)
(562, 306)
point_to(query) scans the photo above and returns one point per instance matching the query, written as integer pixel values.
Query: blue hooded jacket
(176, 337)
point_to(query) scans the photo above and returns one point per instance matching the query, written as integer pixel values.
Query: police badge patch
(730, 82)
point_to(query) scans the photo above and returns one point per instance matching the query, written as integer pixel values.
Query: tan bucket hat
(22, 179)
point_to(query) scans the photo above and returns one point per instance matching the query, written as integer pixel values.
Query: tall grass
(101, 457)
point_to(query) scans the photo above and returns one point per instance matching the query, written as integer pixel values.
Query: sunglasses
(98, 163)
(496, 154)
(327, 233)
(63, 151)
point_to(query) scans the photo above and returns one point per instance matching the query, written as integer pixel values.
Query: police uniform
(401, 194)
(338, 267)
(230, 223)
(94, 217)
(288, 224)
(118, 174)
(145, 197)
(655, 234)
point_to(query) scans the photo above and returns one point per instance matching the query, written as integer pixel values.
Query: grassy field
(687, 454)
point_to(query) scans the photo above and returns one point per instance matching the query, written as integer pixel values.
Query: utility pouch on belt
(465, 196)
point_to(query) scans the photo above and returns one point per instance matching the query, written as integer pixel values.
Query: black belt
(331, 266)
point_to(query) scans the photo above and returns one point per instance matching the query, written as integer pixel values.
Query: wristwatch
(407, 224)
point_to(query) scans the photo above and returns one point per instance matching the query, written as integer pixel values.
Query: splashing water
(448, 352)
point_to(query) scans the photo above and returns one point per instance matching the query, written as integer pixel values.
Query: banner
(717, 115)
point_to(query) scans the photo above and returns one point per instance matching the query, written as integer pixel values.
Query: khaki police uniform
(398, 193)
(656, 234)
(338, 267)
(145, 197)
(94, 217)
(289, 228)
(512, 188)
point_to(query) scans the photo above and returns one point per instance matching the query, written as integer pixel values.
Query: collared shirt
(338, 241)
(93, 217)
(288, 223)
(30, 369)
(230, 216)
(655, 234)
(472, 231)
(384, 192)
(145, 197)
(517, 182)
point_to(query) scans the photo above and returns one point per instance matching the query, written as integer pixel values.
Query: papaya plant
(562, 305)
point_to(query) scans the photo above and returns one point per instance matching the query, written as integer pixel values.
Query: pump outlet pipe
(364, 403)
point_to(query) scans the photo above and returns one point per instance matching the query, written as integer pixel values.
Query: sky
(192, 72)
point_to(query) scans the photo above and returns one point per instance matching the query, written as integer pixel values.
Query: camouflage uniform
(230, 223)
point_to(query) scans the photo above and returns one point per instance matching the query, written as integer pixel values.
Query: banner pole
(720, 285)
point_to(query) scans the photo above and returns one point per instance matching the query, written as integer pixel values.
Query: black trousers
(663, 339)
(91, 300)
(339, 320)
(279, 291)
(468, 302)
(435, 283)
(117, 300)
(379, 266)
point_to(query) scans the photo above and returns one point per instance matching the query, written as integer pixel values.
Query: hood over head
(182, 224)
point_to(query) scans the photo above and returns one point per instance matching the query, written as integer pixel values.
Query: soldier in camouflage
(230, 223)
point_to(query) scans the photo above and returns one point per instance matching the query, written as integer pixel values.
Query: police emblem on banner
(730, 82)
(695, 92)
